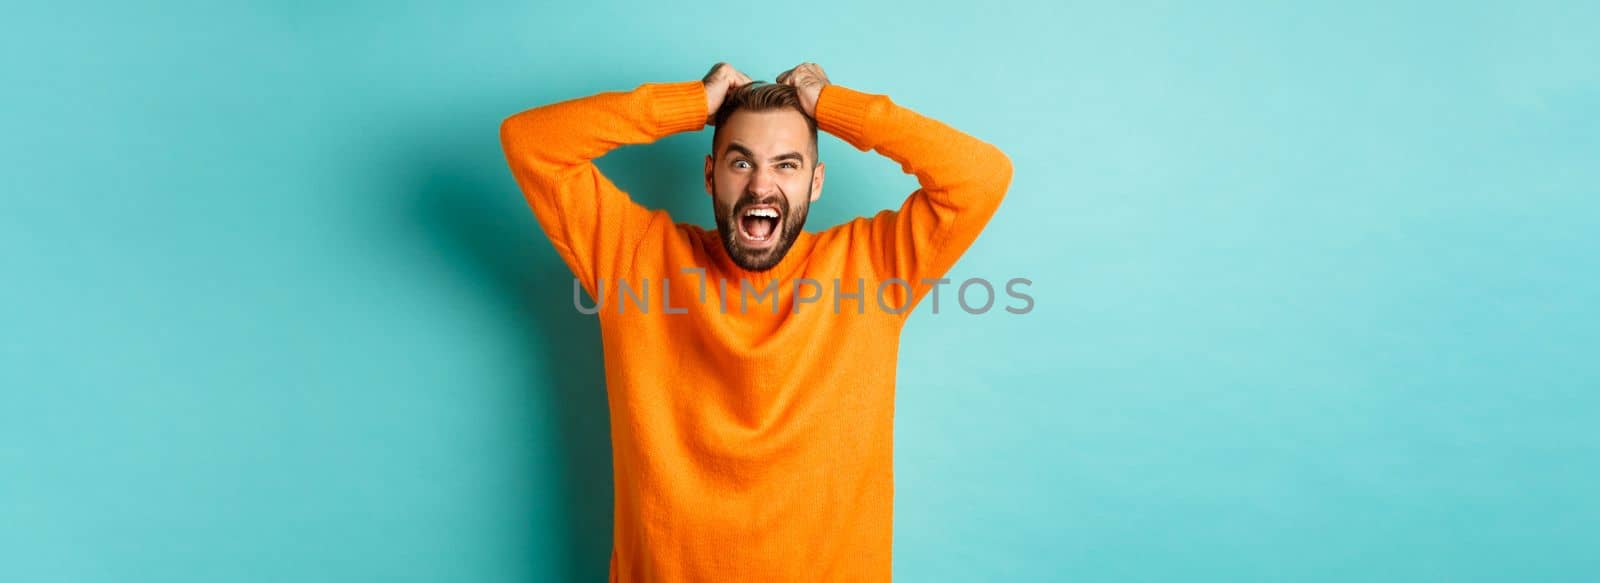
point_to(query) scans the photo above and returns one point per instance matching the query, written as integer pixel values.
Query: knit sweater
(752, 434)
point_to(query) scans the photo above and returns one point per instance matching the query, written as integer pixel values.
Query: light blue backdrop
(1316, 287)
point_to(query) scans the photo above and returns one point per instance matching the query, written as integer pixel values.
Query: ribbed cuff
(677, 107)
(842, 111)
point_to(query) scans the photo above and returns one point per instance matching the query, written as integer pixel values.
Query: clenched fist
(719, 81)
(808, 80)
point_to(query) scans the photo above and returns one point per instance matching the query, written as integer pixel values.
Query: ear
(816, 181)
(709, 189)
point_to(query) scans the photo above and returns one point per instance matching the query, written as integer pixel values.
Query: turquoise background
(1316, 287)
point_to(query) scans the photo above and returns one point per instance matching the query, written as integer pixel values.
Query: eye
(736, 164)
(789, 165)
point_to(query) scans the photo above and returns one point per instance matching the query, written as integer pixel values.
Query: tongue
(758, 227)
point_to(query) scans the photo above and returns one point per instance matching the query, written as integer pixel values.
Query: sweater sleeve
(962, 182)
(594, 226)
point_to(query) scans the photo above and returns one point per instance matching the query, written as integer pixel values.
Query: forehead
(766, 133)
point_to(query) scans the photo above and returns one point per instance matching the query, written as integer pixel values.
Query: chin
(748, 259)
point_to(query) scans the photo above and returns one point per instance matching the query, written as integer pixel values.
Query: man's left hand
(808, 80)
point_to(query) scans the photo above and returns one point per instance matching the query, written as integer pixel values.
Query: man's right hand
(722, 79)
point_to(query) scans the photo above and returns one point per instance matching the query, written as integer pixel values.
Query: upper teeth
(761, 213)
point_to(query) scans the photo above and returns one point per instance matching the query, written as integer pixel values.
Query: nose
(763, 183)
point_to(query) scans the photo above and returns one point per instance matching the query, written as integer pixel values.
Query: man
(752, 400)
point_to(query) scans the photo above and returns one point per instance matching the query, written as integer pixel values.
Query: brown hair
(763, 96)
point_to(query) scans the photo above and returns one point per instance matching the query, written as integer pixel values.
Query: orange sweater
(751, 445)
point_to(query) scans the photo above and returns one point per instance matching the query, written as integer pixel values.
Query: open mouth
(760, 225)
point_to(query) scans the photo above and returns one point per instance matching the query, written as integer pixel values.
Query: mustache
(750, 200)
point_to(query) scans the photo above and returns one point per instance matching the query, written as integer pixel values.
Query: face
(762, 178)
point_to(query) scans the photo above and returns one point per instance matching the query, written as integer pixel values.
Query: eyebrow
(737, 147)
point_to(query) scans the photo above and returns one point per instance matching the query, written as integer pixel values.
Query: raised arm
(593, 224)
(962, 178)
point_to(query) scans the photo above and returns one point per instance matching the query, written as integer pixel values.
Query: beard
(750, 259)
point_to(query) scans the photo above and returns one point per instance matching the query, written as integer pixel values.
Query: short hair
(763, 96)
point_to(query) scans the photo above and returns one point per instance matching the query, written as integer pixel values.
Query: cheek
(797, 204)
(725, 195)
(727, 182)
